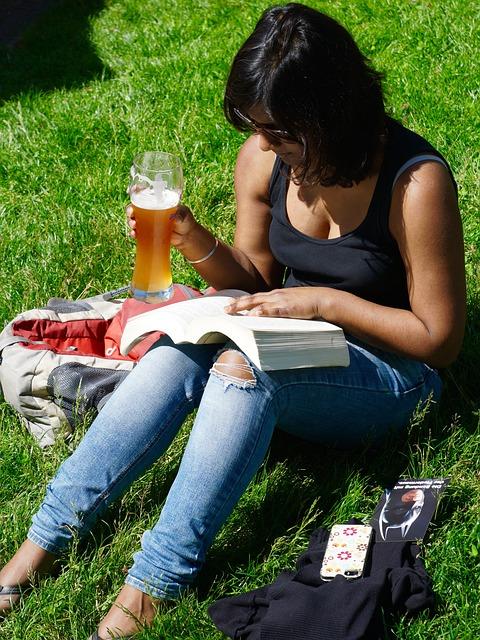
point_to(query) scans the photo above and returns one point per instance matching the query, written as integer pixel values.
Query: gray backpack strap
(103, 304)
(109, 295)
(103, 301)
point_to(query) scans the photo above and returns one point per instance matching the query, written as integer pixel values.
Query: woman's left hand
(294, 302)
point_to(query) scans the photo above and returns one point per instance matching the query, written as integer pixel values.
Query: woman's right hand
(184, 226)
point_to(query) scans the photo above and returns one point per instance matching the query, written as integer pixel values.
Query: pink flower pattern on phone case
(346, 551)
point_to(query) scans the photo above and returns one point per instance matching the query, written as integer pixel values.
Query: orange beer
(155, 188)
(152, 275)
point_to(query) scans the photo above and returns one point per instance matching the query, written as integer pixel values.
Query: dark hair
(307, 73)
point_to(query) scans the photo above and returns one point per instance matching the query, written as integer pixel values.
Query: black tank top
(366, 261)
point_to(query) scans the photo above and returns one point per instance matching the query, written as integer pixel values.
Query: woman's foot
(130, 613)
(29, 562)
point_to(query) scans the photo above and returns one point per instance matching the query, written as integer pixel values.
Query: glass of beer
(155, 189)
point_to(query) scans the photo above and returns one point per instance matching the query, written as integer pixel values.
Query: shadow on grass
(54, 51)
(462, 379)
(330, 471)
(310, 473)
(313, 473)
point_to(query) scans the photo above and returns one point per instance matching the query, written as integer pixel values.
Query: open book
(271, 343)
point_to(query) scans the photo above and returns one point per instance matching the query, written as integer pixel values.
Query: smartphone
(346, 552)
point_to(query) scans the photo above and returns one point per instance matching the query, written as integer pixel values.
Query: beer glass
(155, 189)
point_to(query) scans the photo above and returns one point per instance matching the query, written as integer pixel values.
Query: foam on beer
(155, 198)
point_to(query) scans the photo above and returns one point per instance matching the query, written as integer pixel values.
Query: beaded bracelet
(209, 254)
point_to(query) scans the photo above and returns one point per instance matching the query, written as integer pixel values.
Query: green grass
(93, 83)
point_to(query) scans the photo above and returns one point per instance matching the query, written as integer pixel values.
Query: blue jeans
(341, 406)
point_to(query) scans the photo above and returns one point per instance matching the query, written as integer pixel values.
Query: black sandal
(8, 591)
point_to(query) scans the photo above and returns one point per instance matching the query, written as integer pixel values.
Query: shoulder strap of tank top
(409, 149)
(423, 157)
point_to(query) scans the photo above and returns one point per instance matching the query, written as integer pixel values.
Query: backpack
(60, 363)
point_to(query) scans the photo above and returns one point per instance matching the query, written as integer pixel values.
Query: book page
(282, 325)
(275, 343)
(174, 319)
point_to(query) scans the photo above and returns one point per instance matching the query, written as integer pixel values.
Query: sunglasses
(269, 130)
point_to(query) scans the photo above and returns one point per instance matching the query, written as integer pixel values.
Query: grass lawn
(92, 84)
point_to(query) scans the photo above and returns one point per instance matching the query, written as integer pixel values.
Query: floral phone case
(346, 551)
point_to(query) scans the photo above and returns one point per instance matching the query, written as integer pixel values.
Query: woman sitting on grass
(342, 214)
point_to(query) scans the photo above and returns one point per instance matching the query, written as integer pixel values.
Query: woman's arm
(425, 222)
(249, 264)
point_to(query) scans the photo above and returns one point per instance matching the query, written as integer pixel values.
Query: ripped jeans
(236, 417)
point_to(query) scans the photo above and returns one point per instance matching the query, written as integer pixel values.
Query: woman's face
(290, 151)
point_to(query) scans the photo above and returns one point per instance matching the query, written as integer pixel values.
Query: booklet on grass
(405, 510)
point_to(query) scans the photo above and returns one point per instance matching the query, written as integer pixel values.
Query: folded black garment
(299, 605)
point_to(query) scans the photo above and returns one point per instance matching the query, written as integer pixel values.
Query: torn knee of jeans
(232, 366)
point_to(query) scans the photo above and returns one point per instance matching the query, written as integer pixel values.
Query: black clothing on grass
(299, 605)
